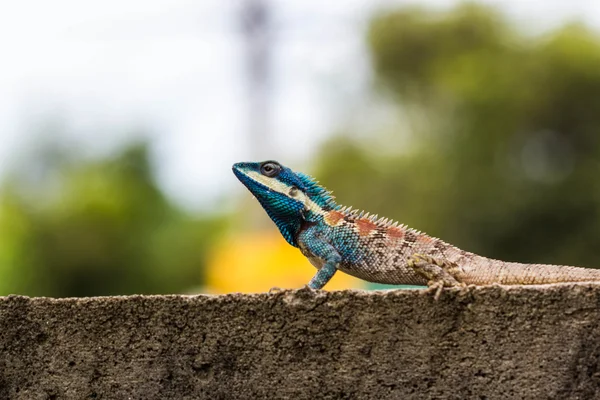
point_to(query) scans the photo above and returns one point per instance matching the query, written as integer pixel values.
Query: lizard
(334, 237)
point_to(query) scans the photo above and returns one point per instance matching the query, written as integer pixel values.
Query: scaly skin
(335, 238)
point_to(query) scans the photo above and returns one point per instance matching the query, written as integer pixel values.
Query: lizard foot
(439, 273)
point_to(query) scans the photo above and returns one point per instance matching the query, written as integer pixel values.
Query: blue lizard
(375, 249)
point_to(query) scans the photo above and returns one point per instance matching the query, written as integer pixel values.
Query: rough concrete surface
(473, 343)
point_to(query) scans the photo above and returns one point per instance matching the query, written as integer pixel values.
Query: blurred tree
(98, 228)
(503, 150)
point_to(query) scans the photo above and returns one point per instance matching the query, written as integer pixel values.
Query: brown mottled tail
(485, 271)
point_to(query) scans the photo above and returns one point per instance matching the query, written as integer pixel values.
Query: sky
(176, 70)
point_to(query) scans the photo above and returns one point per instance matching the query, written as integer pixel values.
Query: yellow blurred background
(259, 261)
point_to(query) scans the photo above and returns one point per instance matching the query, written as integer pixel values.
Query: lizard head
(288, 197)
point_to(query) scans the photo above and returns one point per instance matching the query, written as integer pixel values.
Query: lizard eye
(270, 169)
(293, 191)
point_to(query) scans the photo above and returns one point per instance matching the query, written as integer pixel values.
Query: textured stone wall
(480, 343)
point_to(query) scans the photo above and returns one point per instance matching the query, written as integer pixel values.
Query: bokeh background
(119, 120)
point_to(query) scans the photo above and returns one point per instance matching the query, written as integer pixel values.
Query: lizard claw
(437, 288)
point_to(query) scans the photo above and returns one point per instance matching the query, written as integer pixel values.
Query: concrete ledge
(481, 343)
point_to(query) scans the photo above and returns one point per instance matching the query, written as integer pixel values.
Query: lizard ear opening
(298, 195)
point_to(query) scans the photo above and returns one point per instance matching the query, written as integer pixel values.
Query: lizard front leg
(314, 245)
(439, 273)
(332, 258)
(323, 275)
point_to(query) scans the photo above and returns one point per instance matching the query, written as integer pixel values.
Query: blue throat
(285, 217)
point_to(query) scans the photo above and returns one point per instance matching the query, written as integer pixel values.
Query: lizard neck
(312, 217)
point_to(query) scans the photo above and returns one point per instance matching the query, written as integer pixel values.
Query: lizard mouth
(253, 185)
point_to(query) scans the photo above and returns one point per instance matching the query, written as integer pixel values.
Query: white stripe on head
(280, 187)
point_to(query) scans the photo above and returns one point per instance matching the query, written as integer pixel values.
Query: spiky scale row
(322, 196)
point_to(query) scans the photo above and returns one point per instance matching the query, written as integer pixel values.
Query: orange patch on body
(332, 218)
(395, 233)
(365, 226)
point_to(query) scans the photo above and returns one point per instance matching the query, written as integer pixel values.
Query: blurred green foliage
(502, 151)
(80, 227)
